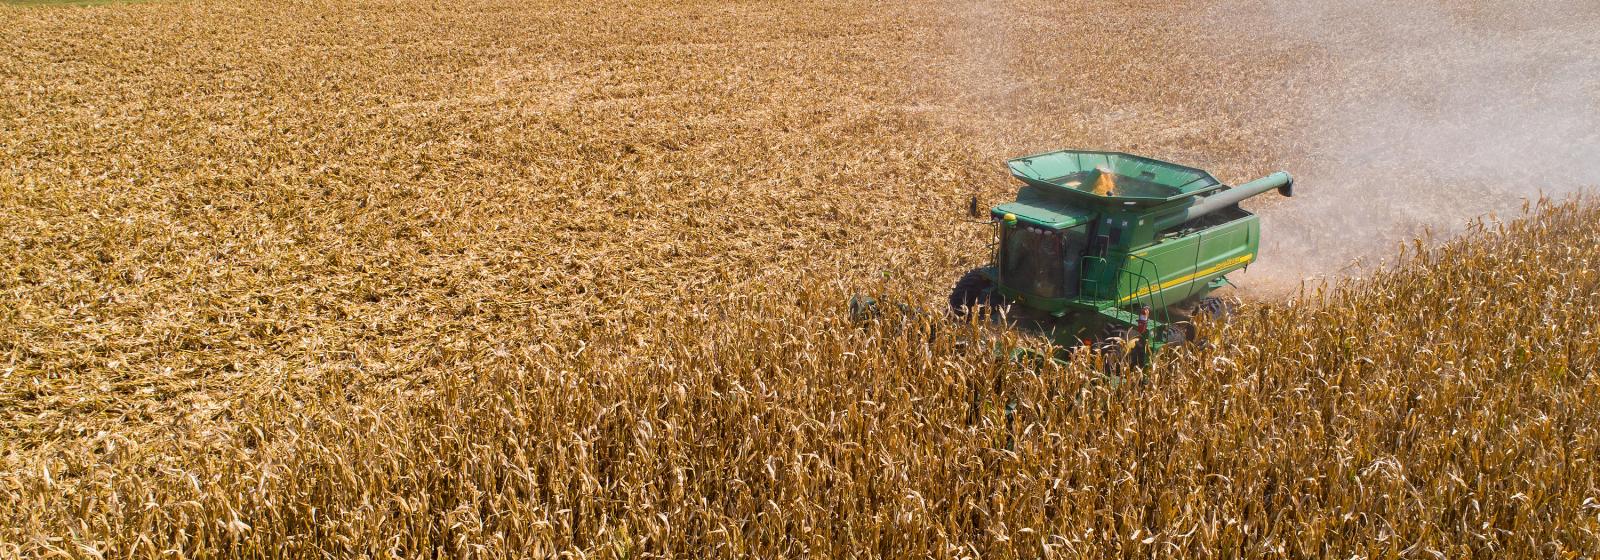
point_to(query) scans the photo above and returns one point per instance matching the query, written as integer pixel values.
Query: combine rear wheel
(972, 291)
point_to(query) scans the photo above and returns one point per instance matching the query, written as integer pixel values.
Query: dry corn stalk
(391, 279)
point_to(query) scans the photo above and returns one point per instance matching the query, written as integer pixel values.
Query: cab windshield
(1042, 262)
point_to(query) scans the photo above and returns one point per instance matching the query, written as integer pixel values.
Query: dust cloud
(1416, 118)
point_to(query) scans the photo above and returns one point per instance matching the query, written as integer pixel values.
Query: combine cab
(1114, 250)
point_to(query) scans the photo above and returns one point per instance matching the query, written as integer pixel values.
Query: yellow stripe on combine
(1239, 260)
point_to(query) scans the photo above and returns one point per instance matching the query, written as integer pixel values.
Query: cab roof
(1045, 209)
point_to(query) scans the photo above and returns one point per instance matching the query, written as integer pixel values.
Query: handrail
(1148, 285)
(1155, 290)
(1152, 296)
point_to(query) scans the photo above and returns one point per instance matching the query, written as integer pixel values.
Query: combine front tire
(1209, 310)
(1177, 333)
(973, 290)
(1119, 350)
(1214, 308)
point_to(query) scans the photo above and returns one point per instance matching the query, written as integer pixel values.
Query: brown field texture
(413, 278)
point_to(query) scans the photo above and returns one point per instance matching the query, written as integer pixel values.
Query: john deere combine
(1114, 250)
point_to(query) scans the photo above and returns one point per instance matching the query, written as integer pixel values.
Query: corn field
(407, 279)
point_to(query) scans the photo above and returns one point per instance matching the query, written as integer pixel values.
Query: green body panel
(1128, 262)
(1181, 266)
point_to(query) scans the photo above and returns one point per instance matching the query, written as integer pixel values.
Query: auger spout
(1223, 199)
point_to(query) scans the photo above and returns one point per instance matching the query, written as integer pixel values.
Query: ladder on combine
(1144, 282)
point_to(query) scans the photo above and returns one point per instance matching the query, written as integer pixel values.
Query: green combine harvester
(1113, 251)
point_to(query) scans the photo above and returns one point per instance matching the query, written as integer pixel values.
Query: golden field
(419, 278)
